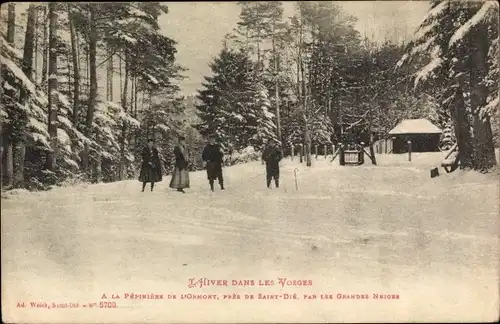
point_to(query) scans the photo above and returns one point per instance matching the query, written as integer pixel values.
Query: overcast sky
(199, 28)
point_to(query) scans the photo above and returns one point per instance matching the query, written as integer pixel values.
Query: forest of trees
(301, 80)
(58, 121)
(322, 78)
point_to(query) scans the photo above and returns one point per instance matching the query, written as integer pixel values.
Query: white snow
(63, 137)
(489, 7)
(104, 119)
(71, 162)
(424, 46)
(63, 100)
(37, 111)
(40, 138)
(423, 30)
(402, 61)
(415, 126)
(239, 117)
(129, 119)
(436, 11)
(427, 70)
(18, 73)
(152, 79)
(65, 121)
(368, 229)
(163, 127)
(38, 126)
(17, 53)
(7, 86)
(128, 39)
(490, 108)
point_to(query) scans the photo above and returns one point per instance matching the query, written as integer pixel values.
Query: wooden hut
(424, 136)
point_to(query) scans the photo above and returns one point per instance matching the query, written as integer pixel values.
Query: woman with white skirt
(180, 178)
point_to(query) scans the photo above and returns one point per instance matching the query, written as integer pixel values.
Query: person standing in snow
(212, 155)
(180, 178)
(272, 155)
(151, 170)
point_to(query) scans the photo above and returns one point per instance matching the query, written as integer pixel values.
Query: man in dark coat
(272, 155)
(151, 170)
(212, 155)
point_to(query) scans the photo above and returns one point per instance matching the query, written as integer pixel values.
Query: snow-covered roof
(415, 126)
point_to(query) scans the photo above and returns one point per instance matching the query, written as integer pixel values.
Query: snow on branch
(14, 52)
(480, 16)
(37, 126)
(40, 139)
(489, 109)
(63, 100)
(423, 47)
(422, 31)
(163, 128)
(402, 61)
(18, 73)
(427, 70)
(436, 11)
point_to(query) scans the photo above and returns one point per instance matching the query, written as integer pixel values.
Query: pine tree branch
(107, 59)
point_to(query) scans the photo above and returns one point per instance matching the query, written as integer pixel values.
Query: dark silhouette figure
(272, 155)
(151, 170)
(212, 155)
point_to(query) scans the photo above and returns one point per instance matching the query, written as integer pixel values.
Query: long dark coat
(180, 177)
(212, 154)
(272, 156)
(151, 170)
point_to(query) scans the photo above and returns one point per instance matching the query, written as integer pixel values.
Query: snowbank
(248, 154)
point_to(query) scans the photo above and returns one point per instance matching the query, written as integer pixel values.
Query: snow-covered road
(386, 229)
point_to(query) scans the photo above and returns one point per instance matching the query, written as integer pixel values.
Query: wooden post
(292, 152)
(333, 149)
(341, 155)
(409, 151)
(316, 151)
(301, 153)
(325, 152)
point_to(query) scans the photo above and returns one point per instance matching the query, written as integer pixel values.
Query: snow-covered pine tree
(457, 39)
(266, 128)
(226, 106)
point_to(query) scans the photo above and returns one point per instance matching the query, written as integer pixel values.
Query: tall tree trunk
(136, 133)
(21, 122)
(276, 85)
(462, 130)
(303, 100)
(92, 70)
(7, 136)
(132, 100)
(111, 76)
(52, 85)
(484, 149)
(122, 166)
(76, 70)
(11, 23)
(35, 68)
(45, 47)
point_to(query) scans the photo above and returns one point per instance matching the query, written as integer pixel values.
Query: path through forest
(386, 229)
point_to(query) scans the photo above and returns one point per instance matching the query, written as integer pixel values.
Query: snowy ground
(386, 229)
